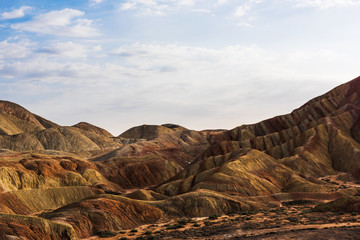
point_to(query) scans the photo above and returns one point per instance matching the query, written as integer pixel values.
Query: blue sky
(201, 64)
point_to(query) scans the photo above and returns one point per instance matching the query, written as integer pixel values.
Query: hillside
(81, 181)
(285, 153)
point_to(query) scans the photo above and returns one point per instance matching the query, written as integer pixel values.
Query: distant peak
(151, 131)
(92, 128)
(20, 112)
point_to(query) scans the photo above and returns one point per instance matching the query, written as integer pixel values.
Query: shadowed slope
(348, 204)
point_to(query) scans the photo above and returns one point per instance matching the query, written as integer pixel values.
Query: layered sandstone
(77, 181)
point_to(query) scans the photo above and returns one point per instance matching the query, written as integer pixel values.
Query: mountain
(80, 181)
(21, 130)
(91, 128)
(151, 131)
(284, 153)
(16, 119)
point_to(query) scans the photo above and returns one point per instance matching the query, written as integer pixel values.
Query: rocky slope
(81, 180)
(283, 154)
(16, 119)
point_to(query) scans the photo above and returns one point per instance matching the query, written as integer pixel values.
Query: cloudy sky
(198, 63)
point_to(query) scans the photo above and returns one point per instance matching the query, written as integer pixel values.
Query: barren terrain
(291, 176)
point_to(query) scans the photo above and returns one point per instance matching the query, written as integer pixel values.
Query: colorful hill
(74, 182)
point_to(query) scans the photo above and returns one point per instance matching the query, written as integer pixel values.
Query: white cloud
(152, 63)
(201, 10)
(243, 12)
(325, 4)
(186, 2)
(17, 13)
(97, 48)
(66, 49)
(304, 56)
(221, 2)
(198, 87)
(94, 2)
(66, 22)
(13, 50)
(127, 6)
(156, 7)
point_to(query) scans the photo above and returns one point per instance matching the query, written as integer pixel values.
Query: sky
(203, 64)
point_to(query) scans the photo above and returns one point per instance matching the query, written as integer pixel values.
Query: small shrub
(213, 217)
(354, 214)
(196, 225)
(134, 230)
(170, 227)
(123, 238)
(140, 238)
(175, 226)
(207, 223)
(148, 232)
(341, 213)
(105, 234)
(183, 222)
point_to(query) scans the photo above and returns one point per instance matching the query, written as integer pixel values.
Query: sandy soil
(280, 223)
(293, 220)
